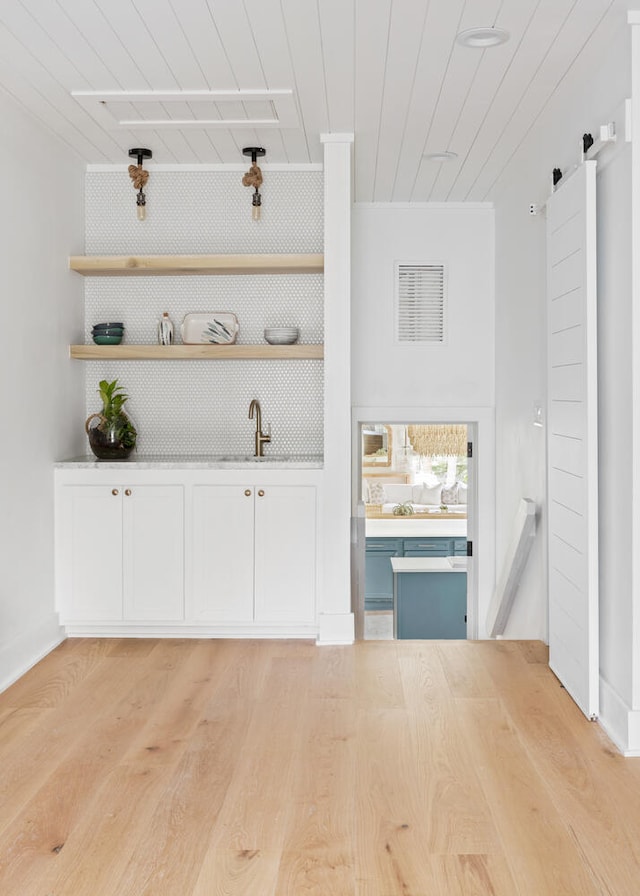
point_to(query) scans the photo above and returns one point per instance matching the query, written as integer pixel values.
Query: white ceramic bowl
(281, 335)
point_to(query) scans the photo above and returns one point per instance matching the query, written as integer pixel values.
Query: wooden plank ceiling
(390, 71)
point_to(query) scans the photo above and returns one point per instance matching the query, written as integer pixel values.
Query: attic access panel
(125, 109)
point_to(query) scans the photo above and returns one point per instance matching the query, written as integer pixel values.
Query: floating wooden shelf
(196, 352)
(152, 265)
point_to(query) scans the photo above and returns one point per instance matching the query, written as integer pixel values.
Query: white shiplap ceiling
(390, 71)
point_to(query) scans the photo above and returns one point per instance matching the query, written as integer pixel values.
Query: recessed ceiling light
(480, 38)
(440, 156)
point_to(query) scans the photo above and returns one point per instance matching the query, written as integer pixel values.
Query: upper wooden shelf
(196, 352)
(141, 265)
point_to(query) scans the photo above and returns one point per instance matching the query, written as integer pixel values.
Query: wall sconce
(140, 177)
(253, 178)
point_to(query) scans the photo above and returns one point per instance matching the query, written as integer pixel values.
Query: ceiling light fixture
(253, 178)
(481, 38)
(446, 156)
(140, 177)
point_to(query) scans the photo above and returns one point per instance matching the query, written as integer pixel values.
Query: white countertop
(197, 462)
(427, 564)
(406, 527)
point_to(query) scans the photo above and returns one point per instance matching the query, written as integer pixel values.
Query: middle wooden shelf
(313, 352)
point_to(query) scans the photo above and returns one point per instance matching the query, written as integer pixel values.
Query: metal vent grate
(420, 302)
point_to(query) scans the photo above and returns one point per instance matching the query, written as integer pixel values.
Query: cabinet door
(153, 552)
(89, 553)
(285, 554)
(378, 572)
(223, 553)
(431, 605)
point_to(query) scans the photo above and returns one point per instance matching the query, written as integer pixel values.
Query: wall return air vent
(420, 303)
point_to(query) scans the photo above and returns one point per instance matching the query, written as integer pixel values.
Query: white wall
(41, 390)
(587, 99)
(453, 382)
(461, 372)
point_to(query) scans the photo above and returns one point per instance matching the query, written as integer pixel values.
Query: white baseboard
(336, 628)
(620, 722)
(182, 630)
(24, 651)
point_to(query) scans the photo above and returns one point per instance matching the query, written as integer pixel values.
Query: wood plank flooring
(278, 768)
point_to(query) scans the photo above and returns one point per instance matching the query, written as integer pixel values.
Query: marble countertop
(420, 527)
(197, 462)
(428, 564)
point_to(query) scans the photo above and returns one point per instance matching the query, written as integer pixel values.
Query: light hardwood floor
(257, 768)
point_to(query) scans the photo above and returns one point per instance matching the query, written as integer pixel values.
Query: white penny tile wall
(201, 407)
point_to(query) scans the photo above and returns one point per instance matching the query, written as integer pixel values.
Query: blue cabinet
(378, 572)
(431, 605)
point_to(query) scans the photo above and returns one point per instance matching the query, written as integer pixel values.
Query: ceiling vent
(420, 303)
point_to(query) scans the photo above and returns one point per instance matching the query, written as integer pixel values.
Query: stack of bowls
(108, 333)
(281, 335)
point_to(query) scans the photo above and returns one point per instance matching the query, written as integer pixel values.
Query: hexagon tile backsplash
(201, 407)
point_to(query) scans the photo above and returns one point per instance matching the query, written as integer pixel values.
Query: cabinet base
(128, 630)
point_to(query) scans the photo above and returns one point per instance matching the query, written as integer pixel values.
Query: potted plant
(112, 435)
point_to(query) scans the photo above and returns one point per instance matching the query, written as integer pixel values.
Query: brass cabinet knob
(247, 492)
(114, 491)
(261, 493)
(127, 492)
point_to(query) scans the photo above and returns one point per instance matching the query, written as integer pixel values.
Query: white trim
(634, 620)
(335, 628)
(621, 724)
(101, 168)
(482, 501)
(24, 651)
(436, 206)
(178, 630)
(336, 138)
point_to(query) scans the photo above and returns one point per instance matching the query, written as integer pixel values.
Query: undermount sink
(247, 458)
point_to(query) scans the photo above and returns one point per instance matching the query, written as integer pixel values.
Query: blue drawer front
(385, 544)
(428, 547)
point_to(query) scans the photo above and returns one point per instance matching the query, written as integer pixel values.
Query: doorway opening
(415, 505)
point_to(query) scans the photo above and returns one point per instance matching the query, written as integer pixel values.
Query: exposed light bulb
(141, 205)
(256, 204)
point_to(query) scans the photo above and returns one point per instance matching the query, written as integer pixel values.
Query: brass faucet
(261, 437)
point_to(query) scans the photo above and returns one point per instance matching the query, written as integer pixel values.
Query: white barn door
(572, 436)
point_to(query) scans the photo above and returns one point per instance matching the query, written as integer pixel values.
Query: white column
(336, 621)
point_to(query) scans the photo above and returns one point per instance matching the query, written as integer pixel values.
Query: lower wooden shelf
(196, 352)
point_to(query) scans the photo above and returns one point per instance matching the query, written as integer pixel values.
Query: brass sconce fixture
(253, 178)
(140, 177)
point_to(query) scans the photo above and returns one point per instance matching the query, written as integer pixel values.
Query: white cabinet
(120, 553)
(254, 553)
